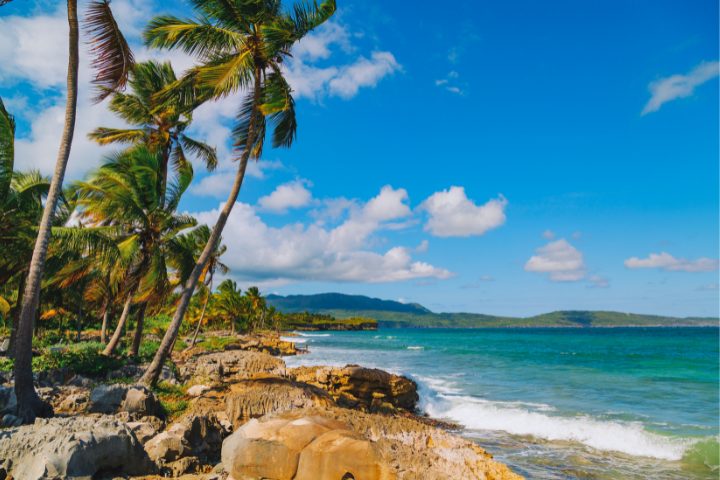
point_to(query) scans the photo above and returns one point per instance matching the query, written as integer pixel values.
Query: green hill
(391, 314)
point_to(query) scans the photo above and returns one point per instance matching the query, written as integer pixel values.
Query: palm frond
(105, 136)
(279, 106)
(203, 151)
(113, 60)
(193, 37)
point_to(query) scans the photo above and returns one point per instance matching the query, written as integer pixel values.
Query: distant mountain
(391, 314)
(340, 301)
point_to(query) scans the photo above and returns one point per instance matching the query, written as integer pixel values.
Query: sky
(510, 158)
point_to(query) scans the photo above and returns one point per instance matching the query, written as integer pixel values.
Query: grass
(173, 399)
(216, 344)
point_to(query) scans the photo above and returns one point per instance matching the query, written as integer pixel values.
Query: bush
(172, 398)
(6, 364)
(83, 358)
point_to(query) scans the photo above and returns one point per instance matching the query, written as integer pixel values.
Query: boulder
(75, 402)
(340, 454)
(231, 364)
(166, 447)
(71, 447)
(136, 400)
(367, 389)
(257, 397)
(107, 398)
(197, 390)
(141, 401)
(271, 448)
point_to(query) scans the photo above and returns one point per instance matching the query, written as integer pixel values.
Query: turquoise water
(559, 403)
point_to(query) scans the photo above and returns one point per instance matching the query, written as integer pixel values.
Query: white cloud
(679, 86)
(560, 260)
(548, 234)
(363, 73)
(665, 261)
(423, 247)
(288, 195)
(316, 45)
(449, 83)
(257, 251)
(452, 214)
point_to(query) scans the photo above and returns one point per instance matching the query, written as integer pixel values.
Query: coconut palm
(112, 61)
(121, 194)
(158, 125)
(229, 303)
(241, 45)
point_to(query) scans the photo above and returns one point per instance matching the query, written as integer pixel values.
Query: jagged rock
(183, 466)
(222, 366)
(270, 343)
(76, 402)
(107, 398)
(80, 381)
(71, 447)
(271, 448)
(254, 398)
(146, 428)
(340, 454)
(166, 447)
(136, 400)
(141, 401)
(367, 389)
(197, 390)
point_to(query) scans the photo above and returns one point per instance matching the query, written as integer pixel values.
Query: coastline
(218, 406)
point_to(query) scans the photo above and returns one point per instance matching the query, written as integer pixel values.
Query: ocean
(559, 403)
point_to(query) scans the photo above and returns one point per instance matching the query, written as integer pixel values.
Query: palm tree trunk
(113, 343)
(202, 315)
(29, 404)
(16, 316)
(152, 374)
(105, 321)
(138, 331)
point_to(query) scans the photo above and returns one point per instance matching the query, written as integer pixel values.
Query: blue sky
(497, 157)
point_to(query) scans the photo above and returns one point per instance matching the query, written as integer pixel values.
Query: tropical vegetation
(110, 263)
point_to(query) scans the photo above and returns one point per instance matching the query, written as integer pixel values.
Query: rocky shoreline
(239, 413)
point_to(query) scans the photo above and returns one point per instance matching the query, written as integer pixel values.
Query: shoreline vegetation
(230, 406)
(391, 314)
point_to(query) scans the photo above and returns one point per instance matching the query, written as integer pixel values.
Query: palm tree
(256, 307)
(121, 194)
(229, 302)
(198, 238)
(112, 60)
(159, 125)
(241, 45)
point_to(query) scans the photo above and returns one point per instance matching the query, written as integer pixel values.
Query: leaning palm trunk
(113, 343)
(151, 375)
(105, 321)
(202, 315)
(138, 331)
(29, 404)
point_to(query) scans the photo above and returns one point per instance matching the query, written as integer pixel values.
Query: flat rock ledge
(73, 447)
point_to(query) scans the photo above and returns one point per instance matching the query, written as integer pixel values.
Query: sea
(558, 403)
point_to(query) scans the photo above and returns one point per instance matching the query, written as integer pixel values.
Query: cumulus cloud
(679, 86)
(297, 251)
(453, 214)
(560, 260)
(288, 195)
(665, 261)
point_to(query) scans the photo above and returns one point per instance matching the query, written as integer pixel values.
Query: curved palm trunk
(29, 404)
(202, 315)
(151, 375)
(138, 331)
(105, 322)
(113, 343)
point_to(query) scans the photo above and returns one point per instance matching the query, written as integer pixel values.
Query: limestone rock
(141, 401)
(166, 446)
(271, 448)
(107, 398)
(231, 364)
(197, 390)
(260, 396)
(340, 454)
(367, 389)
(71, 447)
(146, 428)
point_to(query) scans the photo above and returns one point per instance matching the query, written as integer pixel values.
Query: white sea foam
(439, 399)
(301, 334)
(415, 347)
(293, 339)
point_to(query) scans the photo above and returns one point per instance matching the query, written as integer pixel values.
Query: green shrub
(83, 358)
(6, 364)
(172, 397)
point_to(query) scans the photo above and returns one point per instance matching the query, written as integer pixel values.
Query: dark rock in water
(71, 447)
